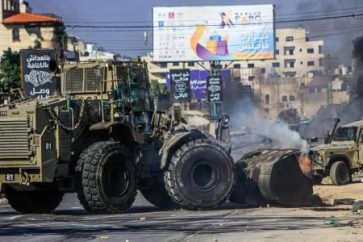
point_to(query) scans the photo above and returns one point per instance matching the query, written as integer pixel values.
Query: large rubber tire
(200, 175)
(106, 178)
(339, 173)
(33, 201)
(158, 196)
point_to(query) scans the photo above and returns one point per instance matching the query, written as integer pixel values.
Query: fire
(305, 164)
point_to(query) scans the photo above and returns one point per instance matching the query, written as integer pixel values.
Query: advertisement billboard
(37, 79)
(206, 33)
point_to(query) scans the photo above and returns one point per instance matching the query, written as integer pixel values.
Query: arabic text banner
(213, 33)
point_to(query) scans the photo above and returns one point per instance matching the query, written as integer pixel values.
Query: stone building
(20, 28)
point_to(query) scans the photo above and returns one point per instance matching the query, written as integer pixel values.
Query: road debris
(357, 206)
(331, 221)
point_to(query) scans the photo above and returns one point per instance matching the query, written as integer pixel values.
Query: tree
(9, 70)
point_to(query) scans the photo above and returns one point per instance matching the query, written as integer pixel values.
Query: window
(284, 98)
(276, 64)
(292, 98)
(277, 39)
(237, 66)
(289, 50)
(289, 63)
(320, 49)
(175, 63)
(311, 63)
(263, 70)
(163, 65)
(251, 65)
(277, 52)
(310, 51)
(191, 63)
(290, 74)
(16, 36)
(267, 99)
(289, 38)
(251, 78)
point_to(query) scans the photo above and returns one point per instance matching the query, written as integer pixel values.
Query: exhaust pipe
(331, 135)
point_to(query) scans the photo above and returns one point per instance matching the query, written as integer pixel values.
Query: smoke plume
(278, 132)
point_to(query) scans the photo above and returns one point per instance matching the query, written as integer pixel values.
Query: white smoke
(278, 132)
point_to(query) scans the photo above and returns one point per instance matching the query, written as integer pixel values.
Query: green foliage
(9, 70)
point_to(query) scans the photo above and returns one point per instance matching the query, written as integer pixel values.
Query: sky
(338, 34)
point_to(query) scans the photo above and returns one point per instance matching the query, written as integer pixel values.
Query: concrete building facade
(22, 29)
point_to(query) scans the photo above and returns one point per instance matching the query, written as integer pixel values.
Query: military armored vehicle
(341, 156)
(104, 138)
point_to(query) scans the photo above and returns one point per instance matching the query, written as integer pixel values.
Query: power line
(300, 14)
(129, 27)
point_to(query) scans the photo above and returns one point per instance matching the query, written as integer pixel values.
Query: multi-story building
(21, 29)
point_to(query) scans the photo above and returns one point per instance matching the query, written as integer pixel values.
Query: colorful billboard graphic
(213, 33)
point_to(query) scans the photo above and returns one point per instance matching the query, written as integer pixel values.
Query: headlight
(317, 157)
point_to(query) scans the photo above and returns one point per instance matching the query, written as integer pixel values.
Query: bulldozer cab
(123, 89)
(133, 88)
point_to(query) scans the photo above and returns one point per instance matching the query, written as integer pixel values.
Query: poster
(215, 89)
(37, 80)
(180, 85)
(242, 32)
(198, 82)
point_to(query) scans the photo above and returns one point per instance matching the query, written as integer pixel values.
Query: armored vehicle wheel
(158, 196)
(33, 201)
(200, 176)
(339, 173)
(106, 179)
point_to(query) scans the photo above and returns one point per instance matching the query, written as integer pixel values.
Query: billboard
(37, 80)
(206, 33)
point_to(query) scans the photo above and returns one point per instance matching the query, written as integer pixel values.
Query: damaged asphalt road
(146, 223)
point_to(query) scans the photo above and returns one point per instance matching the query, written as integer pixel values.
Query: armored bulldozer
(341, 155)
(104, 138)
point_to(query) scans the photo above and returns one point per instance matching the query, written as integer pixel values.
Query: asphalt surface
(144, 222)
